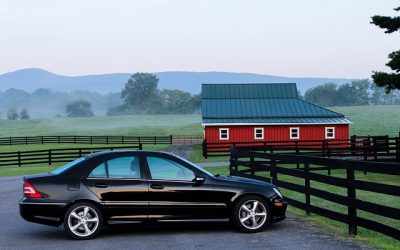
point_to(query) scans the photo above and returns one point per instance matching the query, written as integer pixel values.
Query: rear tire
(83, 221)
(251, 214)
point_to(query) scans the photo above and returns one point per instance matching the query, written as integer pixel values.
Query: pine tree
(389, 80)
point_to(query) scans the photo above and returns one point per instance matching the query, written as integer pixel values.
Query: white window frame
(291, 133)
(333, 132)
(255, 134)
(227, 134)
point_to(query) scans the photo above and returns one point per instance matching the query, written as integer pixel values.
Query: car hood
(237, 179)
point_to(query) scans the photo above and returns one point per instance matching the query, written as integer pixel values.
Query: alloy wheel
(252, 214)
(83, 221)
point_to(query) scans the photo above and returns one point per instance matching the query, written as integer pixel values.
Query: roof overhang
(273, 124)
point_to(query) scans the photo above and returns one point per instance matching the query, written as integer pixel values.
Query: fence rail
(365, 147)
(76, 139)
(287, 165)
(50, 156)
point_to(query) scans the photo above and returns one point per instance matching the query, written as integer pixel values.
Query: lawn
(367, 120)
(105, 125)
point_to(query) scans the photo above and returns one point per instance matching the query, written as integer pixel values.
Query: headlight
(278, 193)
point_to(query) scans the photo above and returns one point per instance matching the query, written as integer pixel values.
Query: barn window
(258, 133)
(329, 133)
(294, 133)
(224, 133)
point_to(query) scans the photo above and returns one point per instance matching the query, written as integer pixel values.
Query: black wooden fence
(50, 156)
(247, 163)
(365, 147)
(75, 139)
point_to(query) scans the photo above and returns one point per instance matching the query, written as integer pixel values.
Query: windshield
(194, 165)
(67, 166)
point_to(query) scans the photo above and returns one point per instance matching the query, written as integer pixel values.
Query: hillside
(31, 79)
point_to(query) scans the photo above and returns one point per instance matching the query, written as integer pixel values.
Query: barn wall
(275, 132)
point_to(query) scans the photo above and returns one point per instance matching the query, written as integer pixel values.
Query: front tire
(251, 214)
(83, 221)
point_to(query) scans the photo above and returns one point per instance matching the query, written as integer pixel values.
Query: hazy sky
(289, 38)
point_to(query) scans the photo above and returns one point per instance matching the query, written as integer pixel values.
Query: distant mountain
(31, 79)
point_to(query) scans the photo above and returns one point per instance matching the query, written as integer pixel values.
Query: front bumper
(41, 211)
(278, 210)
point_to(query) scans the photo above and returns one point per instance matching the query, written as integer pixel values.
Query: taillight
(30, 191)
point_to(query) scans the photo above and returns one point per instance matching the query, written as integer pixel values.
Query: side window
(294, 133)
(258, 133)
(224, 133)
(122, 167)
(329, 133)
(165, 169)
(99, 171)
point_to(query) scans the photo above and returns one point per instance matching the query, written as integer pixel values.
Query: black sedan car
(86, 194)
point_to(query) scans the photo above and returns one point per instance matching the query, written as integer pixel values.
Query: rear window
(67, 166)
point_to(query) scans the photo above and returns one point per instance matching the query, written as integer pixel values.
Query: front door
(173, 194)
(121, 185)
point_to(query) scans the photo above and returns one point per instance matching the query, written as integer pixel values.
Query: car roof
(117, 152)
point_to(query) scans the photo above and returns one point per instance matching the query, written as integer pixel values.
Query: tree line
(141, 95)
(356, 93)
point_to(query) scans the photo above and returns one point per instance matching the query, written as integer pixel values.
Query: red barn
(266, 112)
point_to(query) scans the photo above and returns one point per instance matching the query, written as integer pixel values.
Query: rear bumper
(42, 212)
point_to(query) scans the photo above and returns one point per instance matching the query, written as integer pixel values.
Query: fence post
(353, 144)
(204, 145)
(107, 140)
(273, 172)
(155, 140)
(26, 140)
(251, 165)
(19, 159)
(42, 139)
(49, 155)
(307, 187)
(170, 139)
(397, 140)
(323, 148)
(80, 152)
(140, 146)
(123, 139)
(9, 141)
(351, 197)
(58, 139)
(91, 140)
(139, 139)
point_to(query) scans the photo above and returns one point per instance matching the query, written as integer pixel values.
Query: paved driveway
(293, 233)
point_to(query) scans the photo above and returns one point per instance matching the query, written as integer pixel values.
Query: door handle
(156, 186)
(100, 185)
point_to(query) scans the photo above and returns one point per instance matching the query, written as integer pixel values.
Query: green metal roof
(261, 103)
(249, 91)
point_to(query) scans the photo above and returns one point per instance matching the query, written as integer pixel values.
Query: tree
(12, 114)
(141, 94)
(79, 108)
(354, 93)
(322, 95)
(24, 115)
(390, 81)
(176, 102)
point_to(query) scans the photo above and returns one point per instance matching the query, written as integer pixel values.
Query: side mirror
(199, 180)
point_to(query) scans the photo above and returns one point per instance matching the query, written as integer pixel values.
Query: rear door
(121, 185)
(173, 194)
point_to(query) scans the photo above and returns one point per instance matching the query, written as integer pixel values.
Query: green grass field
(367, 120)
(372, 120)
